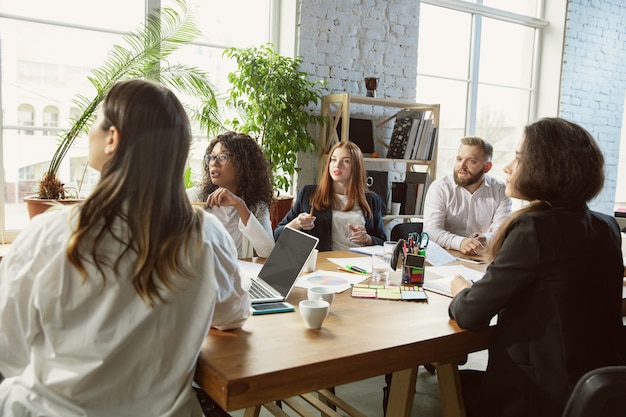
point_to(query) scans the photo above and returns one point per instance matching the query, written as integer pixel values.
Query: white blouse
(341, 222)
(72, 348)
(257, 235)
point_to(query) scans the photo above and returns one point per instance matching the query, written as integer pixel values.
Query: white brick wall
(343, 41)
(594, 80)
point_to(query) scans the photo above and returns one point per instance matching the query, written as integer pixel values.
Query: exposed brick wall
(343, 41)
(594, 80)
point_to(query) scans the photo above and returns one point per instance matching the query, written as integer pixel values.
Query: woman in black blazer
(555, 282)
(340, 211)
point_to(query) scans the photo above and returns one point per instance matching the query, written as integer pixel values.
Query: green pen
(356, 269)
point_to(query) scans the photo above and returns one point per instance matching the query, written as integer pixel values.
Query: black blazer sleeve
(374, 225)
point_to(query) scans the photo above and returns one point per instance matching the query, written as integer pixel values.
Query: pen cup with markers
(413, 268)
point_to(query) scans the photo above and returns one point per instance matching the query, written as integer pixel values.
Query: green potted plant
(141, 55)
(272, 95)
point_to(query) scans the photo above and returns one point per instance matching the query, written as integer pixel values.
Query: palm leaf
(141, 55)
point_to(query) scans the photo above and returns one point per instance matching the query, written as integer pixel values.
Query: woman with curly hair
(237, 188)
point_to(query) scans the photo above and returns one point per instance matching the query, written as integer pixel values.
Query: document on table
(368, 250)
(439, 278)
(436, 255)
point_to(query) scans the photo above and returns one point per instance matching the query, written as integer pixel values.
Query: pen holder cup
(413, 269)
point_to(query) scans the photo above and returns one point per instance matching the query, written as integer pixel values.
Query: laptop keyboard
(258, 291)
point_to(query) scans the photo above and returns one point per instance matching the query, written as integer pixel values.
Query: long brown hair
(324, 197)
(142, 187)
(560, 165)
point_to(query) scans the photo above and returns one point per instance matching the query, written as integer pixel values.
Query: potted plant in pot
(140, 56)
(272, 95)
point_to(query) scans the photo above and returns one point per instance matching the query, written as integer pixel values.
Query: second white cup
(313, 312)
(321, 293)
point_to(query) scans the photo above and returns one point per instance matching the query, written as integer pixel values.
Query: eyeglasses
(220, 159)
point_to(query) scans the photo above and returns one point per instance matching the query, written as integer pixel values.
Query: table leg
(450, 391)
(401, 393)
(252, 411)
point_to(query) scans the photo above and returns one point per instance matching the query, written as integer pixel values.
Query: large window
(482, 72)
(46, 55)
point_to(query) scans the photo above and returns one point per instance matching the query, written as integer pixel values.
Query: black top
(323, 219)
(556, 287)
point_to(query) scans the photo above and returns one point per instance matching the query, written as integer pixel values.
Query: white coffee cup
(321, 293)
(313, 312)
(395, 208)
(312, 261)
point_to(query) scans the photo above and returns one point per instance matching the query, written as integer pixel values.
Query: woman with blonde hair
(340, 211)
(104, 306)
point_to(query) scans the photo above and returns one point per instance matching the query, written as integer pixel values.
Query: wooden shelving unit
(336, 107)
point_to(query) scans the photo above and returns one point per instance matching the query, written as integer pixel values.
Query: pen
(311, 211)
(356, 269)
(340, 268)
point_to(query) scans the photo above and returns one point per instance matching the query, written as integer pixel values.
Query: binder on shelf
(424, 140)
(423, 180)
(413, 139)
(400, 133)
(404, 193)
(378, 182)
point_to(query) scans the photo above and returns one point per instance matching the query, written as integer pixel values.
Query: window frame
(282, 33)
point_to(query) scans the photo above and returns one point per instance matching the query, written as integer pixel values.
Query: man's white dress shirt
(451, 213)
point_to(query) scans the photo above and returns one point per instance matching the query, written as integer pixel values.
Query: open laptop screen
(287, 259)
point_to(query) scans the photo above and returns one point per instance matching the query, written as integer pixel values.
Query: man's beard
(468, 181)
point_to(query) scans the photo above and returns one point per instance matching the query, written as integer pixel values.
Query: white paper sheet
(438, 278)
(338, 281)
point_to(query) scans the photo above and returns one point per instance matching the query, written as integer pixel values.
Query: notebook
(281, 269)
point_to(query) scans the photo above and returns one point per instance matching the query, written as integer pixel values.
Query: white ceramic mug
(312, 261)
(321, 293)
(313, 312)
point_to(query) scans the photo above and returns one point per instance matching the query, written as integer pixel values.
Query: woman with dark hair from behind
(555, 282)
(237, 188)
(340, 211)
(104, 306)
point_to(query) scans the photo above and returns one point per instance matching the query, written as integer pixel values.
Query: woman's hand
(222, 197)
(458, 284)
(305, 221)
(359, 236)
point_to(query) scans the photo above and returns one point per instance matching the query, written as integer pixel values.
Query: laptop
(282, 268)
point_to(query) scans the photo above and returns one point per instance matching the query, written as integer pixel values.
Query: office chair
(402, 230)
(599, 393)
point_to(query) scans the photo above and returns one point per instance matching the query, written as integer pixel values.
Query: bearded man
(463, 210)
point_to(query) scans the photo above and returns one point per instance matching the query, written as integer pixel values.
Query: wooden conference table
(275, 357)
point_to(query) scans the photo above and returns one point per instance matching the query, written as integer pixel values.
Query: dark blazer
(556, 287)
(323, 219)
